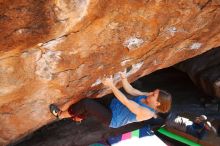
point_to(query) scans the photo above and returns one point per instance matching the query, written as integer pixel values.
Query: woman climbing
(117, 111)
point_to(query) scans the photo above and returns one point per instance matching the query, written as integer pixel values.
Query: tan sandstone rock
(54, 49)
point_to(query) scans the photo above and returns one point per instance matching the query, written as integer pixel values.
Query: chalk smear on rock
(195, 46)
(133, 43)
(46, 65)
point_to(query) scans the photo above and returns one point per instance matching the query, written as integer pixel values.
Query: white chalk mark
(133, 43)
(97, 82)
(195, 46)
(47, 64)
(172, 30)
(123, 63)
(52, 44)
(135, 68)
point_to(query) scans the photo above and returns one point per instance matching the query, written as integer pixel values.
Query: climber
(119, 111)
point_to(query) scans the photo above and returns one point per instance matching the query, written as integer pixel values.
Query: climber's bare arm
(141, 113)
(128, 88)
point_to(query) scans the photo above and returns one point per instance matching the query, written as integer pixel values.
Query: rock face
(204, 70)
(54, 50)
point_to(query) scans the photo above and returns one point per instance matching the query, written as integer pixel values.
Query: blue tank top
(121, 115)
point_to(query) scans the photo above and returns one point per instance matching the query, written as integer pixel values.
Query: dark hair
(165, 100)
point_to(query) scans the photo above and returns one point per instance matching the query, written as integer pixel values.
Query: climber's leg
(90, 107)
(66, 105)
(64, 114)
(82, 109)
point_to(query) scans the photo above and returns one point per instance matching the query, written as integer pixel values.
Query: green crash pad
(176, 137)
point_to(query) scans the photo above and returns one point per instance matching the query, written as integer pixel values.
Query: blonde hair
(165, 100)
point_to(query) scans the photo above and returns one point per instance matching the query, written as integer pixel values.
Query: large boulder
(204, 70)
(57, 49)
